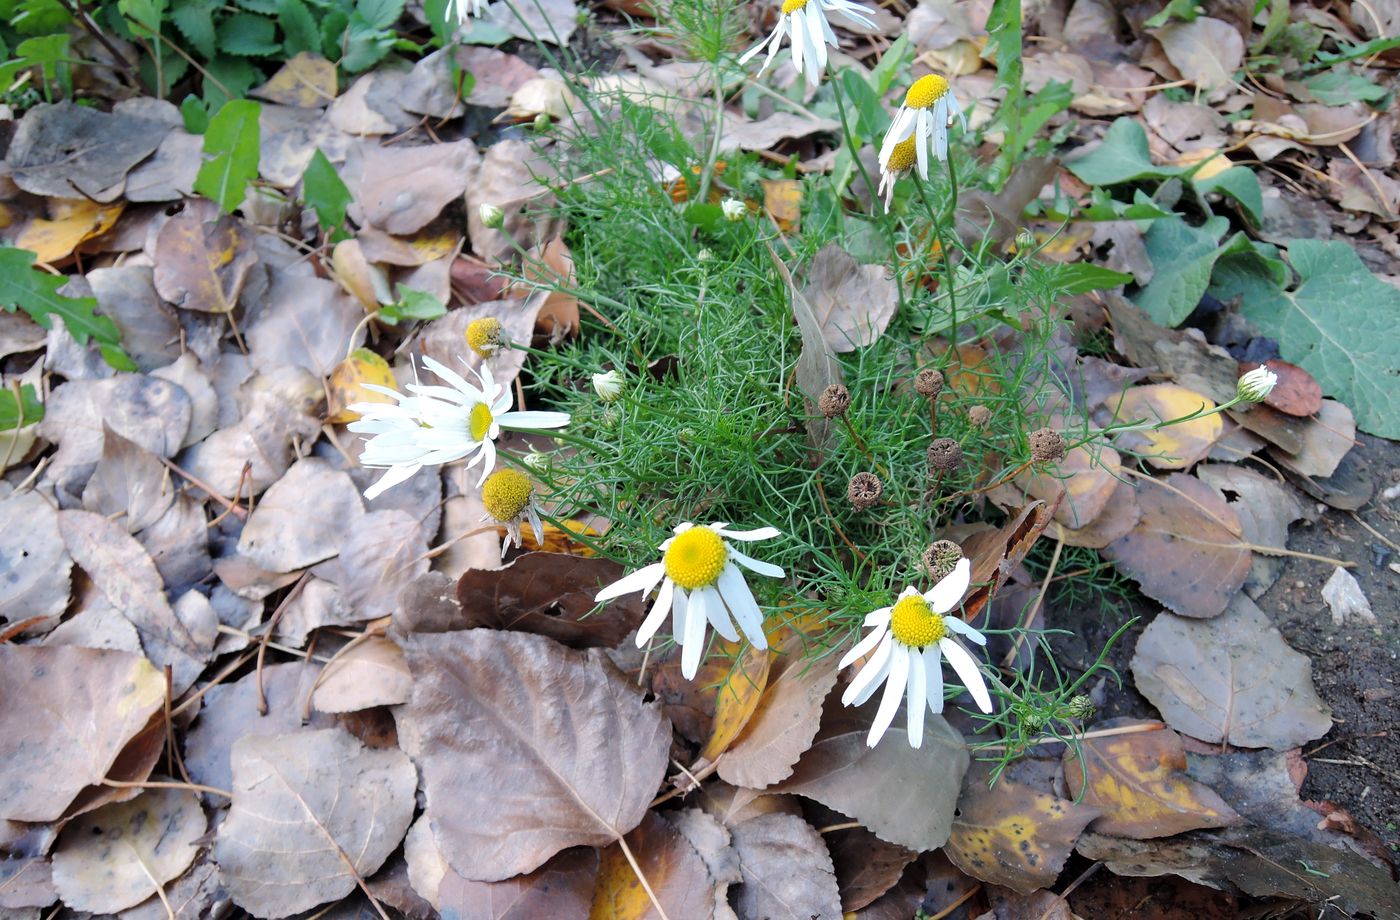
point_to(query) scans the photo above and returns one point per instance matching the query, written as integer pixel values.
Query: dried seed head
(979, 416)
(864, 490)
(941, 558)
(834, 401)
(1047, 445)
(928, 382)
(944, 455)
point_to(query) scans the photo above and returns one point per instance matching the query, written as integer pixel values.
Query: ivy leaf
(195, 20)
(1338, 324)
(411, 305)
(231, 143)
(326, 193)
(1182, 259)
(36, 293)
(16, 412)
(248, 35)
(1122, 157)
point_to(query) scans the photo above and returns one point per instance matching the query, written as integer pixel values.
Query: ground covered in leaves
(230, 685)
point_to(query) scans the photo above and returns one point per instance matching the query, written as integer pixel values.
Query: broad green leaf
(299, 27)
(365, 46)
(231, 145)
(50, 53)
(379, 14)
(893, 62)
(195, 20)
(1122, 157)
(1338, 88)
(36, 293)
(1239, 183)
(234, 75)
(1081, 277)
(1340, 323)
(1182, 259)
(266, 7)
(325, 192)
(195, 115)
(411, 305)
(871, 118)
(18, 412)
(41, 17)
(248, 35)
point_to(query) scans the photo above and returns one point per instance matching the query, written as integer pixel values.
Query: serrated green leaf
(41, 17)
(1340, 323)
(325, 192)
(1122, 157)
(231, 146)
(365, 46)
(195, 20)
(411, 305)
(1081, 278)
(21, 411)
(379, 14)
(248, 35)
(298, 28)
(265, 7)
(1239, 183)
(144, 16)
(1339, 88)
(1182, 259)
(234, 75)
(36, 293)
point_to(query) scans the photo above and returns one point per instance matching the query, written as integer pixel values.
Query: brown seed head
(941, 558)
(979, 416)
(928, 382)
(944, 455)
(1047, 445)
(834, 401)
(864, 490)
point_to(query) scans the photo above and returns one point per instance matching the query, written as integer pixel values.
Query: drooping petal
(762, 568)
(948, 593)
(862, 648)
(394, 476)
(642, 580)
(814, 20)
(746, 536)
(658, 611)
(487, 454)
(933, 673)
(962, 629)
(693, 643)
(968, 673)
(517, 420)
(917, 699)
(869, 677)
(921, 145)
(894, 693)
(745, 609)
(718, 614)
(899, 131)
(454, 379)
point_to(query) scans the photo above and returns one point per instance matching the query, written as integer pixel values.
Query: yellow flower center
(792, 6)
(903, 155)
(505, 493)
(484, 335)
(695, 558)
(914, 623)
(479, 422)
(926, 91)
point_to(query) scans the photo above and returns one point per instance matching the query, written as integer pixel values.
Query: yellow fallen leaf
(1215, 163)
(782, 199)
(305, 81)
(347, 385)
(737, 699)
(357, 275)
(73, 221)
(1178, 446)
(556, 540)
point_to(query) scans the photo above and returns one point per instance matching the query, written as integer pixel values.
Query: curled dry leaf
(672, 867)
(202, 259)
(1177, 447)
(853, 303)
(817, 367)
(372, 673)
(866, 866)
(995, 554)
(312, 812)
(44, 764)
(508, 726)
(1138, 782)
(119, 855)
(1231, 678)
(786, 868)
(1013, 835)
(1187, 549)
(32, 556)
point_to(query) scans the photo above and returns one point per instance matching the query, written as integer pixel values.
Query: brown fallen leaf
(786, 868)
(45, 763)
(384, 552)
(372, 673)
(853, 303)
(71, 221)
(549, 594)
(737, 696)
(192, 896)
(66, 150)
(1296, 393)
(1117, 519)
(996, 553)
(1108, 895)
(1265, 508)
(402, 188)
(866, 867)
(304, 322)
(285, 532)
(782, 201)
(203, 258)
(551, 266)
(817, 367)
(1013, 835)
(306, 80)
(1138, 782)
(508, 726)
(1187, 549)
(26, 881)
(1080, 486)
(1323, 442)
(347, 385)
(711, 840)
(677, 875)
(1231, 678)
(312, 813)
(36, 562)
(1207, 51)
(119, 855)
(129, 483)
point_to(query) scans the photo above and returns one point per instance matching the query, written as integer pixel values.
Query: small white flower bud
(704, 255)
(536, 461)
(608, 386)
(1257, 384)
(734, 209)
(492, 217)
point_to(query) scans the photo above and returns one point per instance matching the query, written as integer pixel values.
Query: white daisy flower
(928, 107)
(806, 22)
(700, 583)
(900, 162)
(440, 424)
(509, 499)
(1256, 385)
(908, 639)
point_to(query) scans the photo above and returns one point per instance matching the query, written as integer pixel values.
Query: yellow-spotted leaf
(1138, 781)
(347, 385)
(737, 699)
(558, 540)
(675, 871)
(72, 221)
(782, 201)
(1178, 446)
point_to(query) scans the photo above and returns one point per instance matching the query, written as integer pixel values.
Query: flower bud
(536, 461)
(941, 558)
(484, 336)
(1025, 240)
(864, 490)
(608, 386)
(734, 209)
(1081, 707)
(1256, 385)
(492, 217)
(704, 255)
(834, 401)
(542, 121)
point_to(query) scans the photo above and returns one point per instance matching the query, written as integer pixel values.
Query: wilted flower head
(834, 401)
(902, 159)
(941, 558)
(1047, 445)
(928, 106)
(1256, 385)
(864, 490)
(979, 416)
(806, 22)
(509, 499)
(944, 455)
(734, 209)
(492, 217)
(484, 336)
(536, 461)
(608, 385)
(928, 382)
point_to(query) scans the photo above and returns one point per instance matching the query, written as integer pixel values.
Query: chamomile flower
(897, 167)
(928, 107)
(509, 498)
(440, 424)
(467, 8)
(700, 583)
(1256, 385)
(805, 21)
(908, 640)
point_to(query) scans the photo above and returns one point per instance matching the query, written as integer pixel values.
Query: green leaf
(365, 46)
(1338, 88)
(1081, 278)
(266, 7)
(18, 412)
(485, 32)
(1122, 157)
(248, 35)
(233, 74)
(144, 16)
(195, 114)
(379, 14)
(1239, 183)
(195, 20)
(298, 27)
(411, 305)
(36, 293)
(871, 118)
(1353, 52)
(231, 144)
(50, 54)
(894, 61)
(1341, 324)
(41, 17)
(325, 192)
(1184, 10)
(1182, 259)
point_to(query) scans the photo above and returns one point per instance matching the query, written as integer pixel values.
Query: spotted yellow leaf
(1176, 447)
(347, 385)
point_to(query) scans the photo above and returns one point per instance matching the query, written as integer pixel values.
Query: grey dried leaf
(787, 870)
(287, 531)
(304, 322)
(129, 483)
(853, 303)
(34, 561)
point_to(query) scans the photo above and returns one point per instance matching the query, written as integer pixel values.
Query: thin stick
(1099, 733)
(1035, 605)
(267, 637)
(833, 828)
(962, 899)
(695, 777)
(1064, 895)
(174, 749)
(195, 787)
(637, 869)
(193, 698)
(1375, 533)
(160, 889)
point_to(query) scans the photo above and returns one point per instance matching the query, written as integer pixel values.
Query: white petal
(746, 536)
(718, 614)
(869, 676)
(396, 475)
(762, 568)
(487, 455)
(532, 419)
(642, 580)
(880, 617)
(693, 643)
(815, 19)
(456, 380)
(894, 693)
(861, 648)
(680, 603)
(658, 612)
(921, 145)
(967, 672)
(917, 700)
(739, 599)
(962, 629)
(949, 592)
(899, 131)
(933, 672)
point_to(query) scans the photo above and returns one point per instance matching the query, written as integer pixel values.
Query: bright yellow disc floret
(484, 335)
(903, 155)
(505, 493)
(926, 91)
(479, 421)
(914, 623)
(792, 6)
(695, 558)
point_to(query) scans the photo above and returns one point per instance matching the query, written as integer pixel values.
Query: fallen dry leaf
(552, 266)
(1296, 393)
(711, 840)
(786, 869)
(1117, 519)
(32, 556)
(737, 695)
(1177, 447)
(1086, 479)
(403, 188)
(560, 889)
(866, 866)
(785, 719)
(70, 223)
(677, 875)
(306, 80)
(119, 855)
(782, 201)
(1138, 784)
(995, 554)
(373, 673)
(1231, 678)
(1265, 508)
(285, 532)
(853, 303)
(382, 554)
(347, 385)
(203, 258)
(311, 811)
(304, 322)
(1207, 51)
(509, 725)
(129, 484)
(817, 367)
(1323, 442)
(66, 150)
